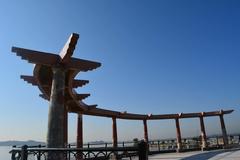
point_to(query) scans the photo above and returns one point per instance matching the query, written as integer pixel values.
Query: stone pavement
(230, 154)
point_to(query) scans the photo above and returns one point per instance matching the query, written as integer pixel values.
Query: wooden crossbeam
(79, 83)
(32, 80)
(50, 59)
(37, 57)
(44, 96)
(82, 96)
(29, 79)
(68, 48)
(83, 65)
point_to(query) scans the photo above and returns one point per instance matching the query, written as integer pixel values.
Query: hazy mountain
(21, 143)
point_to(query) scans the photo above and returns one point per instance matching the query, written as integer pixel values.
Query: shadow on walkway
(208, 155)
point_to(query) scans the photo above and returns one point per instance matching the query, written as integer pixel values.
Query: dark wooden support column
(203, 133)
(79, 131)
(79, 136)
(224, 131)
(55, 135)
(65, 127)
(114, 132)
(145, 130)
(179, 138)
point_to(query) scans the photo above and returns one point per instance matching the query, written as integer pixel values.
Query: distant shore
(20, 143)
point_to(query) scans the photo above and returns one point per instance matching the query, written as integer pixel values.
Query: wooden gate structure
(55, 77)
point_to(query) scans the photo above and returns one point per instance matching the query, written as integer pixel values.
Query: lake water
(4, 153)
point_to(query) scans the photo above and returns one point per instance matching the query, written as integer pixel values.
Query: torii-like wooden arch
(54, 75)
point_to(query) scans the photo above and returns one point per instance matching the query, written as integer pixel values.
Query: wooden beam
(29, 79)
(79, 83)
(83, 65)
(32, 80)
(44, 97)
(82, 96)
(50, 59)
(37, 57)
(69, 48)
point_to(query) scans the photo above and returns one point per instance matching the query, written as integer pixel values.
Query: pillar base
(226, 146)
(179, 148)
(204, 148)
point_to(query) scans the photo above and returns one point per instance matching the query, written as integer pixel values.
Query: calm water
(4, 153)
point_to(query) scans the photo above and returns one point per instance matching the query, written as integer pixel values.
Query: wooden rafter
(42, 78)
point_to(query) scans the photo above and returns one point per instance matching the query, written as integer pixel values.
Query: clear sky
(158, 56)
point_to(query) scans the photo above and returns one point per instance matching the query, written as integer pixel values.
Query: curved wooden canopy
(42, 77)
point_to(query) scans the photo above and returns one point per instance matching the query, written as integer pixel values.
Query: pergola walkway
(54, 74)
(229, 154)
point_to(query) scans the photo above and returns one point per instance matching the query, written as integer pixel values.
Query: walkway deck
(231, 154)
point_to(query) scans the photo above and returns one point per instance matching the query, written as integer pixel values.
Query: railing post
(39, 153)
(158, 146)
(68, 153)
(13, 156)
(24, 153)
(88, 146)
(142, 150)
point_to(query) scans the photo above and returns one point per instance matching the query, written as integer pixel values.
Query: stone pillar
(203, 134)
(55, 134)
(179, 138)
(224, 131)
(114, 132)
(145, 130)
(80, 131)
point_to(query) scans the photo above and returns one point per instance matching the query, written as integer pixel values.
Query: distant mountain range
(21, 143)
(35, 143)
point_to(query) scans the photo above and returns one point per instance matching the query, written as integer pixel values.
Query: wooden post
(179, 138)
(79, 136)
(203, 134)
(145, 130)
(65, 127)
(224, 131)
(55, 135)
(114, 132)
(80, 131)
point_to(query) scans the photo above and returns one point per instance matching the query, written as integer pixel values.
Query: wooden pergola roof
(42, 77)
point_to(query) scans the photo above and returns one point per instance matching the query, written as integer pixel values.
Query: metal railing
(103, 153)
(125, 148)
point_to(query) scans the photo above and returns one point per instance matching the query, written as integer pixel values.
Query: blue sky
(157, 57)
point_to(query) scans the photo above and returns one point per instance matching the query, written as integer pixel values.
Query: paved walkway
(231, 154)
